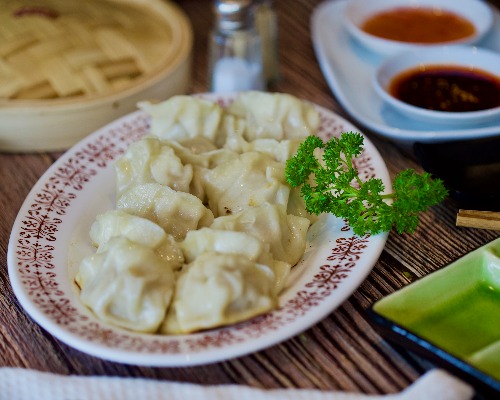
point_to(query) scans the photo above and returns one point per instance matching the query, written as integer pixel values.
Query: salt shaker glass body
(235, 62)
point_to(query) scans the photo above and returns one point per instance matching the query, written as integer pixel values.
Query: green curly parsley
(336, 187)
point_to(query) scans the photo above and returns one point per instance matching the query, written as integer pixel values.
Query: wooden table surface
(342, 352)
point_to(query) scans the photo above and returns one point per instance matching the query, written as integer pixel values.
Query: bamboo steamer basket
(68, 68)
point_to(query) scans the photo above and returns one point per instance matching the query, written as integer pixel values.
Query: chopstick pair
(478, 219)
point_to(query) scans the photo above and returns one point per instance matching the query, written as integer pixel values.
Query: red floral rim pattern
(39, 232)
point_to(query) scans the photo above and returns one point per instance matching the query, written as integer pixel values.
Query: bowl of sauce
(388, 26)
(453, 85)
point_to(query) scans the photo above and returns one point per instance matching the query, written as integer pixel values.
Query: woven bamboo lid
(69, 67)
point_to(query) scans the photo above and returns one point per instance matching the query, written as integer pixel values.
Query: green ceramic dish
(452, 316)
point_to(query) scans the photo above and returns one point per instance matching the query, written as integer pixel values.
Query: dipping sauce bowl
(452, 85)
(389, 26)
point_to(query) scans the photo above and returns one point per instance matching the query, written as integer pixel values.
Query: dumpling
(208, 240)
(297, 206)
(183, 118)
(278, 150)
(140, 230)
(275, 115)
(206, 159)
(178, 170)
(127, 284)
(195, 145)
(248, 181)
(286, 234)
(151, 160)
(219, 289)
(231, 127)
(176, 212)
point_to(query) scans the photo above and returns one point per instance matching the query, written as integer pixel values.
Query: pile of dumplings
(205, 229)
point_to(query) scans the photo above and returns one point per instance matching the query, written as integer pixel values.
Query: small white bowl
(357, 12)
(469, 57)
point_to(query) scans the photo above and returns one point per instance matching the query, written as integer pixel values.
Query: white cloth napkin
(22, 384)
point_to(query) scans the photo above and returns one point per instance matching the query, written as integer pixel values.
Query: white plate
(349, 68)
(50, 237)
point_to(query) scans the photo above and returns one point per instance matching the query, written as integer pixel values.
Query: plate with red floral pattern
(50, 237)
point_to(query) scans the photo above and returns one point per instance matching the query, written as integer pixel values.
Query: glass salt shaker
(235, 62)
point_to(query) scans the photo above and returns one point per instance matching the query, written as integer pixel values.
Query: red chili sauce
(419, 25)
(447, 88)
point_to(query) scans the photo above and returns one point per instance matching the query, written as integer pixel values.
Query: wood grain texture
(478, 219)
(342, 352)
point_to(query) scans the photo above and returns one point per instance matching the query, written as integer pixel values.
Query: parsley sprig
(334, 186)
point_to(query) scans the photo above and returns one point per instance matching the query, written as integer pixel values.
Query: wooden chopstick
(478, 219)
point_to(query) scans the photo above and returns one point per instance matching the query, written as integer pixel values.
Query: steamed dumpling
(231, 126)
(297, 206)
(248, 181)
(176, 212)
(127, 284)
(151, 160)
(140, 230)
(169, 163)
(208, 240)
(275, 115)
(183, 118)
(195, 145)
(285, 233)
(278, 150)
(219, 289)
(206, 159)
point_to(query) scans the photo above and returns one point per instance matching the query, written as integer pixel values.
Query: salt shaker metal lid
(234, 14)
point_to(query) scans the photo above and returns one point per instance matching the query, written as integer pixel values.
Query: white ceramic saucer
(349, 68)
